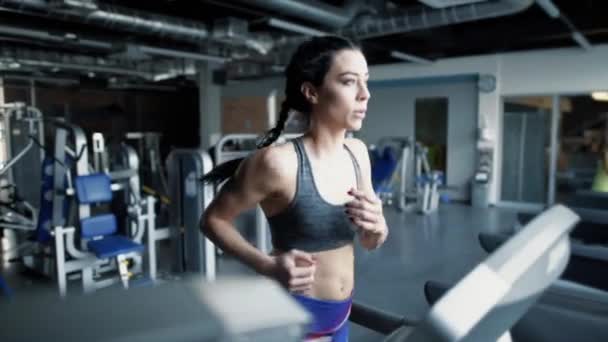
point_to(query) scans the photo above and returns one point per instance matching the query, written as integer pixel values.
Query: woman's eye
(348, 82)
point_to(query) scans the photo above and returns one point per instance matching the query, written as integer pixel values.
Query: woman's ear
(310, 92)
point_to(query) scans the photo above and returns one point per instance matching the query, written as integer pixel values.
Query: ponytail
(226, 170)
(274, 134)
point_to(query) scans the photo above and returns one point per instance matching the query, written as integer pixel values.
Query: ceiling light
(293, 27)
(600, 95)
(410, 58)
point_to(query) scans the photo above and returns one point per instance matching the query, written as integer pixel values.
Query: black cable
(79, 154)
(47, 153)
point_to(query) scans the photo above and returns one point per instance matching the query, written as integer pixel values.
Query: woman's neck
(325, 143)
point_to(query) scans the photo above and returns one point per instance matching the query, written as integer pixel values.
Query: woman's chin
(355, 125)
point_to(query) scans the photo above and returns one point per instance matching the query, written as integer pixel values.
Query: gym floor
(441, 247)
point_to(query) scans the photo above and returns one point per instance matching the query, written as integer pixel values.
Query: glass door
(526, 142)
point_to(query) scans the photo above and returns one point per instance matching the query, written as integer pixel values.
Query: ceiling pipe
(54, 61)
(116, 17)
(549, 7)
(181, 54)
(553, 11)
(313, 11)
(410, 58)
(107, 46)
(293, 27)
(152, 70)
(135, 21)
(48, 37)
(431, 18)
(87, 68)
(150, 24)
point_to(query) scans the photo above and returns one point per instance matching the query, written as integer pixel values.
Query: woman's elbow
(206, 223)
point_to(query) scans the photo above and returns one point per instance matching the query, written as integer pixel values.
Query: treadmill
(490, 299)
(483, 306)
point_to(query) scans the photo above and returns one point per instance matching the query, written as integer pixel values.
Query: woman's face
(342, 98)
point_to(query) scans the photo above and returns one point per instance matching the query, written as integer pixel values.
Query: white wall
(391, 113)
(555, 71)
(564, 71)
(209, 105)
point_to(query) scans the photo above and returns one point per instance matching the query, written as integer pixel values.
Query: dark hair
(309, 63)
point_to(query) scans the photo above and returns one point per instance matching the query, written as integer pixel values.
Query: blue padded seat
(112, 246)
(98, 225)
(383, 165)
(94, 188)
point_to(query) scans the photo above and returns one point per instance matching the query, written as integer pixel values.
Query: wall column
(209, 106)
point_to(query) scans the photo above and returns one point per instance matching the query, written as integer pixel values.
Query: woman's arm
(365, 210)
(249, 186)
(257, 177)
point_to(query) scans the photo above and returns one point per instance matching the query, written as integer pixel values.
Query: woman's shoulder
(279, 160)
(358, 147)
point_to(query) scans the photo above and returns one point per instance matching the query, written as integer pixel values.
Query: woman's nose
(364, 92)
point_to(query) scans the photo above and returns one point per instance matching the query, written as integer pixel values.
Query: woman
(315, 190)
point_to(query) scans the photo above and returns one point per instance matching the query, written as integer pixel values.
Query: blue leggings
(4, 289)
(330, 317)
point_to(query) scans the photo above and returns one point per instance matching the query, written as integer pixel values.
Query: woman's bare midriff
(334, 274)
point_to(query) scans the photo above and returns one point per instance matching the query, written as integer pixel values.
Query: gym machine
(189, 197)
(418, 185)
(21, 130)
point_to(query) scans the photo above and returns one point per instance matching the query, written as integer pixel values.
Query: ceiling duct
(55, 38)
(127, 51)
(230, 30)
(173, 69)
(314, 11)
(448, 3)
(73, 5)
(91, 12)
(425, 18)
(55, 62)
(114, 17)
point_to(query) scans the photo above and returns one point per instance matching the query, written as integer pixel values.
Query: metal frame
(189, 198)
(554, 148)
(425, 196)
(33, 116)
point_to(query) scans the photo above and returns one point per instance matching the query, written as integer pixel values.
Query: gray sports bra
(310, 223)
